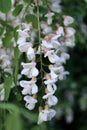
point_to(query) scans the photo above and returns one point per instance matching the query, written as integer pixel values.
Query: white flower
(68, 20)
(53, 75)
(29, 69)
(55, 5)
(70, 41)
(5, 60)
(47, 44)
(30, 102)
(31, 53)
(62, 74)
(55, 42)
(60, 31)
(51, 99)
(46, 29)
(29, 87)
(46, 115)
(23, 47)
(64, 56)
(51, 86)
(49, 16)
(23, 33)
(69, 31)
(53, 58)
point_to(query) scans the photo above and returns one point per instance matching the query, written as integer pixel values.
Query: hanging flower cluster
(42, 39)
(45, 57)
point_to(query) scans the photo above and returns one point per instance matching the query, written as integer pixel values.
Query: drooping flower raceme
(44, 51)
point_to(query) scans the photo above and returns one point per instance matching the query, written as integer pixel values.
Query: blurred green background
(72, 92)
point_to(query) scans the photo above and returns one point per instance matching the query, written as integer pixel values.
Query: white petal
(51, 58)
(52, 113)
(24, 47)
(34, 89)
(49, 88)
(53, 75)
(25, 71)
(29, 99)
(30, 106)
(52, 100)
(30, 53)
(24, 83)
(26, 91)
(47, 44)
(68, 20)
(48, 95)
(22, 33)
(21, 40)
(34, 72)
(28, 65)
(40, 118)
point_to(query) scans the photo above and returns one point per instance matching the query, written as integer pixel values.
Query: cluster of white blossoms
(25, 45)
(43, 53)
(53, 48)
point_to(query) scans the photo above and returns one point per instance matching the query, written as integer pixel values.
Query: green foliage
(33, 19)
(13, 122)
(16, 62)
(7, 86)
(17, 10)
(5, 6)
(44, 2)
(43, 10)
(27, 1)
(7, 39)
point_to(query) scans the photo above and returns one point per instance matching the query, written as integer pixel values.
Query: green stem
(39, 39)
(24, 12)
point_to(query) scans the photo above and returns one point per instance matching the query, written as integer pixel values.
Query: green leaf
(16, 63)
(33, 19)
(13, 122)
(1, 31)
(7, 86)
(17, 10)
(43, 10)
(5, 24)
(27, 1)
(44, 2)
(5, 6)
(7, 39)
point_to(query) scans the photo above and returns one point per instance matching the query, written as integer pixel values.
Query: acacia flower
(23, 46)
(53, 58)
(30, 102)
(51, 86)
(54, 41)
(29, 69)
(46, 115)
(31, 53)
(46, 44)
(69, 31)
(60, 30)
(49, 16)
(23, 33)
(29, 87)
(51, 100)
(68, 20)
